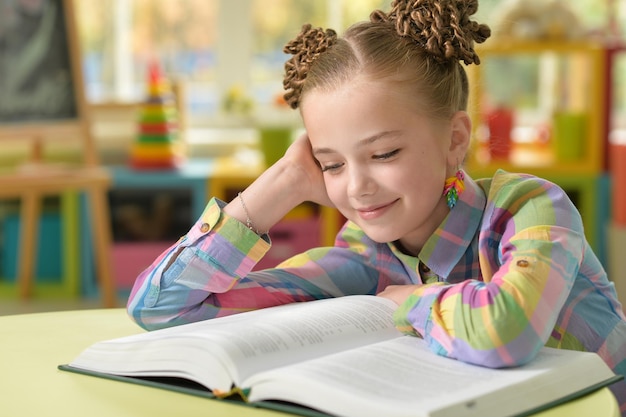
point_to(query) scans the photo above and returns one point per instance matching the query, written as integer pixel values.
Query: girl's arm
(531, 250)
(206, 273)
(212, 277)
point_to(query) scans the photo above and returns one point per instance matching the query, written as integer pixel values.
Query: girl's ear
(460, 137)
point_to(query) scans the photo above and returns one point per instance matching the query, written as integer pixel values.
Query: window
(121, 37)
(276, 22)
(214, 45)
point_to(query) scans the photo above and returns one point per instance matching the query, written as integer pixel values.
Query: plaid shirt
(508, 271)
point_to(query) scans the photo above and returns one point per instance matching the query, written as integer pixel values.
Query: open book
(339, 356)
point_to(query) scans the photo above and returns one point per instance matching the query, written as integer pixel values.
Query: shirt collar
(444, 249)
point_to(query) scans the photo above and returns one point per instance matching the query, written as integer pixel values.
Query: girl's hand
(292, 180)
(398, 293)
(310, 179)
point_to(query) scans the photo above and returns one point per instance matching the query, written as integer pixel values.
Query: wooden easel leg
(30, 211)
(101, 235)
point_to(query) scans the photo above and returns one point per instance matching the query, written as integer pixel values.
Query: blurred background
(549, 98)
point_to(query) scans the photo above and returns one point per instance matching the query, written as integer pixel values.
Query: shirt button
(424, 268)
(522, 263)
(205, 227)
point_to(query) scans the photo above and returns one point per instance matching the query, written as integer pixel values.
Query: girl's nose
(360, 183)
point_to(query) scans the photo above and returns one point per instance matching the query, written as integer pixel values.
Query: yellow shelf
(535, 159)
(586, 88)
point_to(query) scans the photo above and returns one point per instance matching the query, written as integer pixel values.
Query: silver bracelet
(249, 224)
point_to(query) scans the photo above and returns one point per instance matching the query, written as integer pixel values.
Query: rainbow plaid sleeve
(209, 273)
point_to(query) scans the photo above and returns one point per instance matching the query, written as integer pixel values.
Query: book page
(223, 351)
(401, 377)
(296, 332)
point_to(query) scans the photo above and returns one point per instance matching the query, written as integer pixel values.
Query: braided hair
(419, 43)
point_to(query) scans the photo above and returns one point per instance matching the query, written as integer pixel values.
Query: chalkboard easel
(42, 100)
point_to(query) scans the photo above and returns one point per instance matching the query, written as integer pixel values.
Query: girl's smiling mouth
(374, 212)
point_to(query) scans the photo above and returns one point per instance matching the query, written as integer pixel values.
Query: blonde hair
(418, 45)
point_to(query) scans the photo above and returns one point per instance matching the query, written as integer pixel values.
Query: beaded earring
(453, 188)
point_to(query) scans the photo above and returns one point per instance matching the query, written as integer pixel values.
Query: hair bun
(305, 48)
(442, 27)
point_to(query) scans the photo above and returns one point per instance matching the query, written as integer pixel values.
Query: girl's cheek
(336, 195)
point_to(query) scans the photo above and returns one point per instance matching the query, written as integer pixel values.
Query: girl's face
(384, 163)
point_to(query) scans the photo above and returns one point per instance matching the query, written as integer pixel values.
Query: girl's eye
(387, 155)
(333, 167)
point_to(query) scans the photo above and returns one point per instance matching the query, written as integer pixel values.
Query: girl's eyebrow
(362, 142)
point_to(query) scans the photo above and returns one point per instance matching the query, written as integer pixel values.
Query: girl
(486, 271)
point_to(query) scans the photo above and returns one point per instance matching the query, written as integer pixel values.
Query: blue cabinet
(150, 210)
